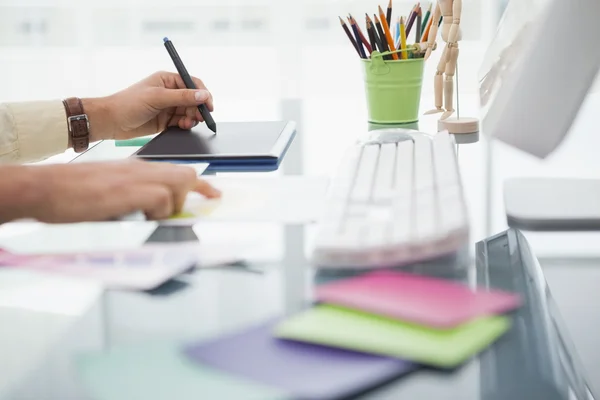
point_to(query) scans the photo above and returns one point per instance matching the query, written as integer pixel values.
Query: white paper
(35, 238)
(291, 200)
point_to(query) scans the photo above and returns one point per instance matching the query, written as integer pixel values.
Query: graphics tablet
(235, 143)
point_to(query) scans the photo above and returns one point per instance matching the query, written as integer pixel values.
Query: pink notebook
(426, 301)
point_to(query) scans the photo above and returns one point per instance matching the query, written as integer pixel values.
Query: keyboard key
(365, 176)
(404, 169)
(423, 164)
(386, 170)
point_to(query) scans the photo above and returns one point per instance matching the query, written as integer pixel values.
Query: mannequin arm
(456, 14)
(434, 29)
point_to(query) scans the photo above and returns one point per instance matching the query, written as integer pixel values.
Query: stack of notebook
(364, 331)
(424, 320)
(360, 333)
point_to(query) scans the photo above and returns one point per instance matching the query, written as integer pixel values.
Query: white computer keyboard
(397, 199)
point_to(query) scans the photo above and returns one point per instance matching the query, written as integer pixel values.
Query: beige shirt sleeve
(32, 131)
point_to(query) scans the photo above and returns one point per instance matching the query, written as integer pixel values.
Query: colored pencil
(388, 34)
(404, 54)
(349, 35)
(426, 18)
(397, 33)
(382, 40)
(441, 19)
(389, 14)
(412, 10)
(371, 33)
(418, 28)
(426, 32)
(361, 49)
(362, 37)
(411, 20)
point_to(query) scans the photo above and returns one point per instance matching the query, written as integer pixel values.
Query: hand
(104, 191)
(147, 107)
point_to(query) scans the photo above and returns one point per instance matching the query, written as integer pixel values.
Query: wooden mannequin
(451, 34)
(451, 11)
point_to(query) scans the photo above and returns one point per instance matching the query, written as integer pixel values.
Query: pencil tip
(165, 39)
(212, 126)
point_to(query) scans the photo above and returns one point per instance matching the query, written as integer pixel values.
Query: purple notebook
(303, 370)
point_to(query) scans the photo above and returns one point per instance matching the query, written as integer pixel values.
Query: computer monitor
(538, 70)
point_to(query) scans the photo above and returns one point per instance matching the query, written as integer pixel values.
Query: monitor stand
(553, 204)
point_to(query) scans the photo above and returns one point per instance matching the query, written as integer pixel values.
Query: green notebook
(345, 328)
(160, 371)
(135, 142)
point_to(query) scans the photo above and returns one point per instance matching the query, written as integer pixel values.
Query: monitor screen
(507, 46)
(537, 72)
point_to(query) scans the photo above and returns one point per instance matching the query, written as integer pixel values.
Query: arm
(455, 28)
(32, 131)
(434, 29)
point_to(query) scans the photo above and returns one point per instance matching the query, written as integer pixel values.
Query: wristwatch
(78, 124)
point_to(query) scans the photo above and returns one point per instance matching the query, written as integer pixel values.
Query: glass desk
(534, 360)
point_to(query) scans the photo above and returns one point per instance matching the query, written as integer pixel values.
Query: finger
(178, 83)
(200, 85)
(206, 189)
(158, 203)
(162, 98)
(190, 112)
(186, 123)
(179, 179)
(154, 200)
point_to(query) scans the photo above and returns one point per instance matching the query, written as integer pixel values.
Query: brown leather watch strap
(78, 123)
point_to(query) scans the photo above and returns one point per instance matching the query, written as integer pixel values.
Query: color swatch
(424, 300)
(303, 370)
(354, 330)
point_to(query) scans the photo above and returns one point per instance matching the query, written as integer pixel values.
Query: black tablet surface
(244, 142)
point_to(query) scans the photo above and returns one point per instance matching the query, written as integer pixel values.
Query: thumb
(166, 98)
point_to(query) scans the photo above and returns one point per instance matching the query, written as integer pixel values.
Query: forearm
(32, 131)
(19, 192)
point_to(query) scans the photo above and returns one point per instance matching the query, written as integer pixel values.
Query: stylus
(189, 83)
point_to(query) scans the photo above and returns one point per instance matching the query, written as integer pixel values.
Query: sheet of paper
(305, 371)
(288, 199)
(427, 301)
(349, 329)
(36, 238)
(143, 267)
(160, 371)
